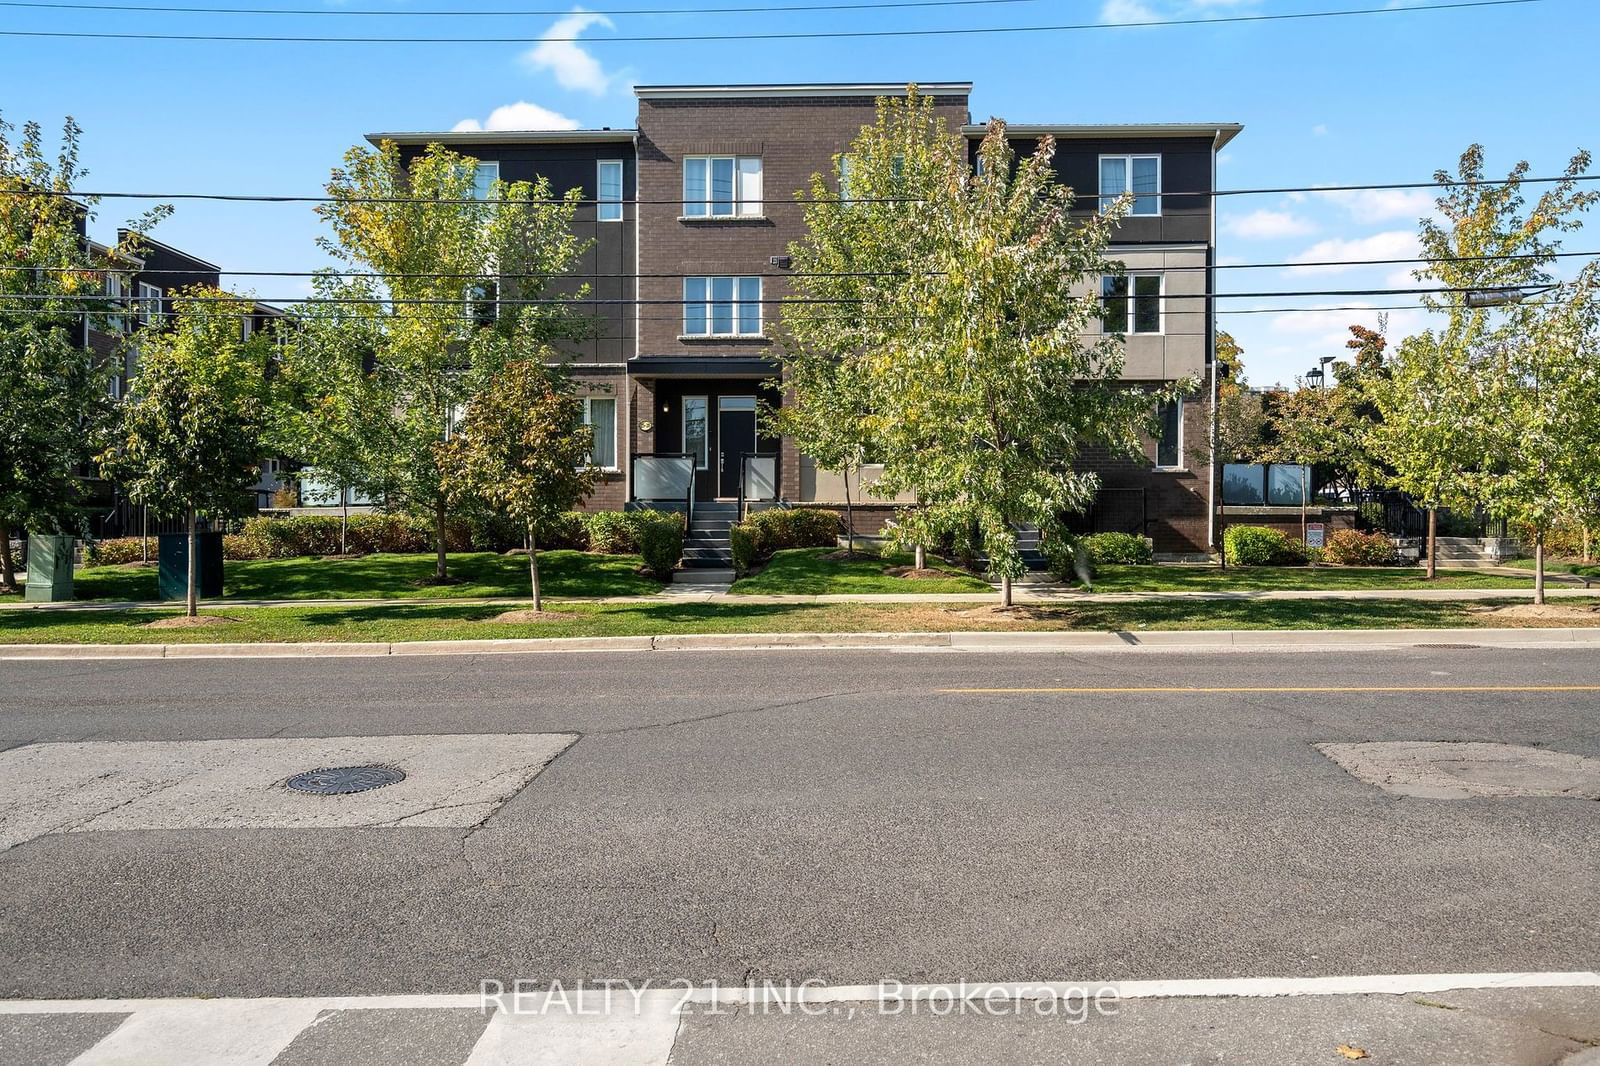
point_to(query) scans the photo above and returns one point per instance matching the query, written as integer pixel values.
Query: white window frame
(737, 304)
(701, 461)
(1132, 277)
(741, 205)
(1107, 198)
(1179, 464)
(116, 291)
(482, 165)
(588, 420)
(150, 296)
(608, 210)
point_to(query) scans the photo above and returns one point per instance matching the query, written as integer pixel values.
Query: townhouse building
(692, 212)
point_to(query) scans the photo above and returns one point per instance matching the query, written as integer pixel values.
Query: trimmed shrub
(1347, 547)
(1262, 546)
(660, 535)
(612, 532)
(1069, 557)
(742, 542)
(115, 551)
(777, 529)
(1119, 548)
(566, 533)
(236, 546)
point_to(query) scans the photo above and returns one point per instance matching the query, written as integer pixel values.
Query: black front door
(736, 435)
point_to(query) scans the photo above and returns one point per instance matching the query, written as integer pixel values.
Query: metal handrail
(688, 492)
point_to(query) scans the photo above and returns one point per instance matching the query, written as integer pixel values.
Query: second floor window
(1169, 445)
(482, 303)
(1131, 303)
(1138, 174)
(608, 190)
(721, 307)
(721, 186)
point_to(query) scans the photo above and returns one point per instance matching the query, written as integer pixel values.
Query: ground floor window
(1169, 446)
(696, 439)
(600, 415)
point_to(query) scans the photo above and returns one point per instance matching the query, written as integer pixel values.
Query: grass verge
(405, 622)
(806, 572)
(1560, 566)
(1274, 578)
(390, 577)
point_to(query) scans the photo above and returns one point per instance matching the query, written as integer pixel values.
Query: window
(600, 415)
(149, 304)
(117, 290)
(484, 175)
(721, 307)
(608, 190)
(1141, 313)
(1138, 174)
(696, 440)
(1169, 446)
(721, 186)
(897, 167)
(482, 302)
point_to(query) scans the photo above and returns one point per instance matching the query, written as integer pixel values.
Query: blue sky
(1361, 99)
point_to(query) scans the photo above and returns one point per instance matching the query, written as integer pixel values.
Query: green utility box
(174, 553)
(49, 567)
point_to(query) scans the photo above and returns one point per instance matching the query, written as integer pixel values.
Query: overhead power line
(875, 5)
(810, 35)
(656, 276)
(118, 194)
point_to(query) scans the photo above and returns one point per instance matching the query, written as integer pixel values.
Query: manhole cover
(343, 780)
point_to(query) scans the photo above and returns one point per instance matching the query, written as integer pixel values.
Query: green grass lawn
(804, 572)
(1268, 578)
(1552, 566)
(406, 622)
(386, 577)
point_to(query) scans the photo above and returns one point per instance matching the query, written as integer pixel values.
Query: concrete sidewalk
(1498, 1019)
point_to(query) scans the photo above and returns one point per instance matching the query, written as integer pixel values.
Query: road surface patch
(450, 780)
(1429, 769)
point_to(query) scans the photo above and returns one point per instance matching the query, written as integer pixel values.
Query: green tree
(824, 412)
(1487, 239)
(981, 385)
(445, 268)
(522, 451)
(191, 432)
(54, 406)
(1238, 428)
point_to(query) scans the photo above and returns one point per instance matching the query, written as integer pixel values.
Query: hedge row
(1348, 547)
(755, 539)
(1262, 546)
(296, 536)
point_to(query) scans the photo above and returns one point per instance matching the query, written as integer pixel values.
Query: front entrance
(736, 435)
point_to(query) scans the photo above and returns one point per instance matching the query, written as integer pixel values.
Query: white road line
(1226, 987)
(240, 1032)
(622, 1038)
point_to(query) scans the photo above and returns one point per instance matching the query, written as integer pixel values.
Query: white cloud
(572, 67)
(1265, 225)
(518, 116)
(1153, 10)
(1381, 205)
(1319, 130)
(1391, 244)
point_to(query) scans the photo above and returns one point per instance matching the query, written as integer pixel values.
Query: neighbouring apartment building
(145, 286)
(691, 214)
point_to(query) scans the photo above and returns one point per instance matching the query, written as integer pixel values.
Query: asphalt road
(831, 815)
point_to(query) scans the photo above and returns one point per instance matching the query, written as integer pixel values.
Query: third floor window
(721, 186)
(1136, 174)
(608, 189)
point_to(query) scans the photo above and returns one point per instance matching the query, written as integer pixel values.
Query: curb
(1254, 640)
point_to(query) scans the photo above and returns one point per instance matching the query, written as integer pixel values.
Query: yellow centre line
(1296, 688)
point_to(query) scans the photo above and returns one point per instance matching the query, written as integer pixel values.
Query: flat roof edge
(503, 136)
(1223, 132)
(712, 92)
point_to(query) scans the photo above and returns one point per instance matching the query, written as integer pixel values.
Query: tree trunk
(344, 520)
(533, 570)
(922, 558)
(193, 592)
(1587, 554)
(1433, 543)
(144, 533)
(439, 572)
(1538, 567)
(1222, 535)
(1005, 590)
(8, 576)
